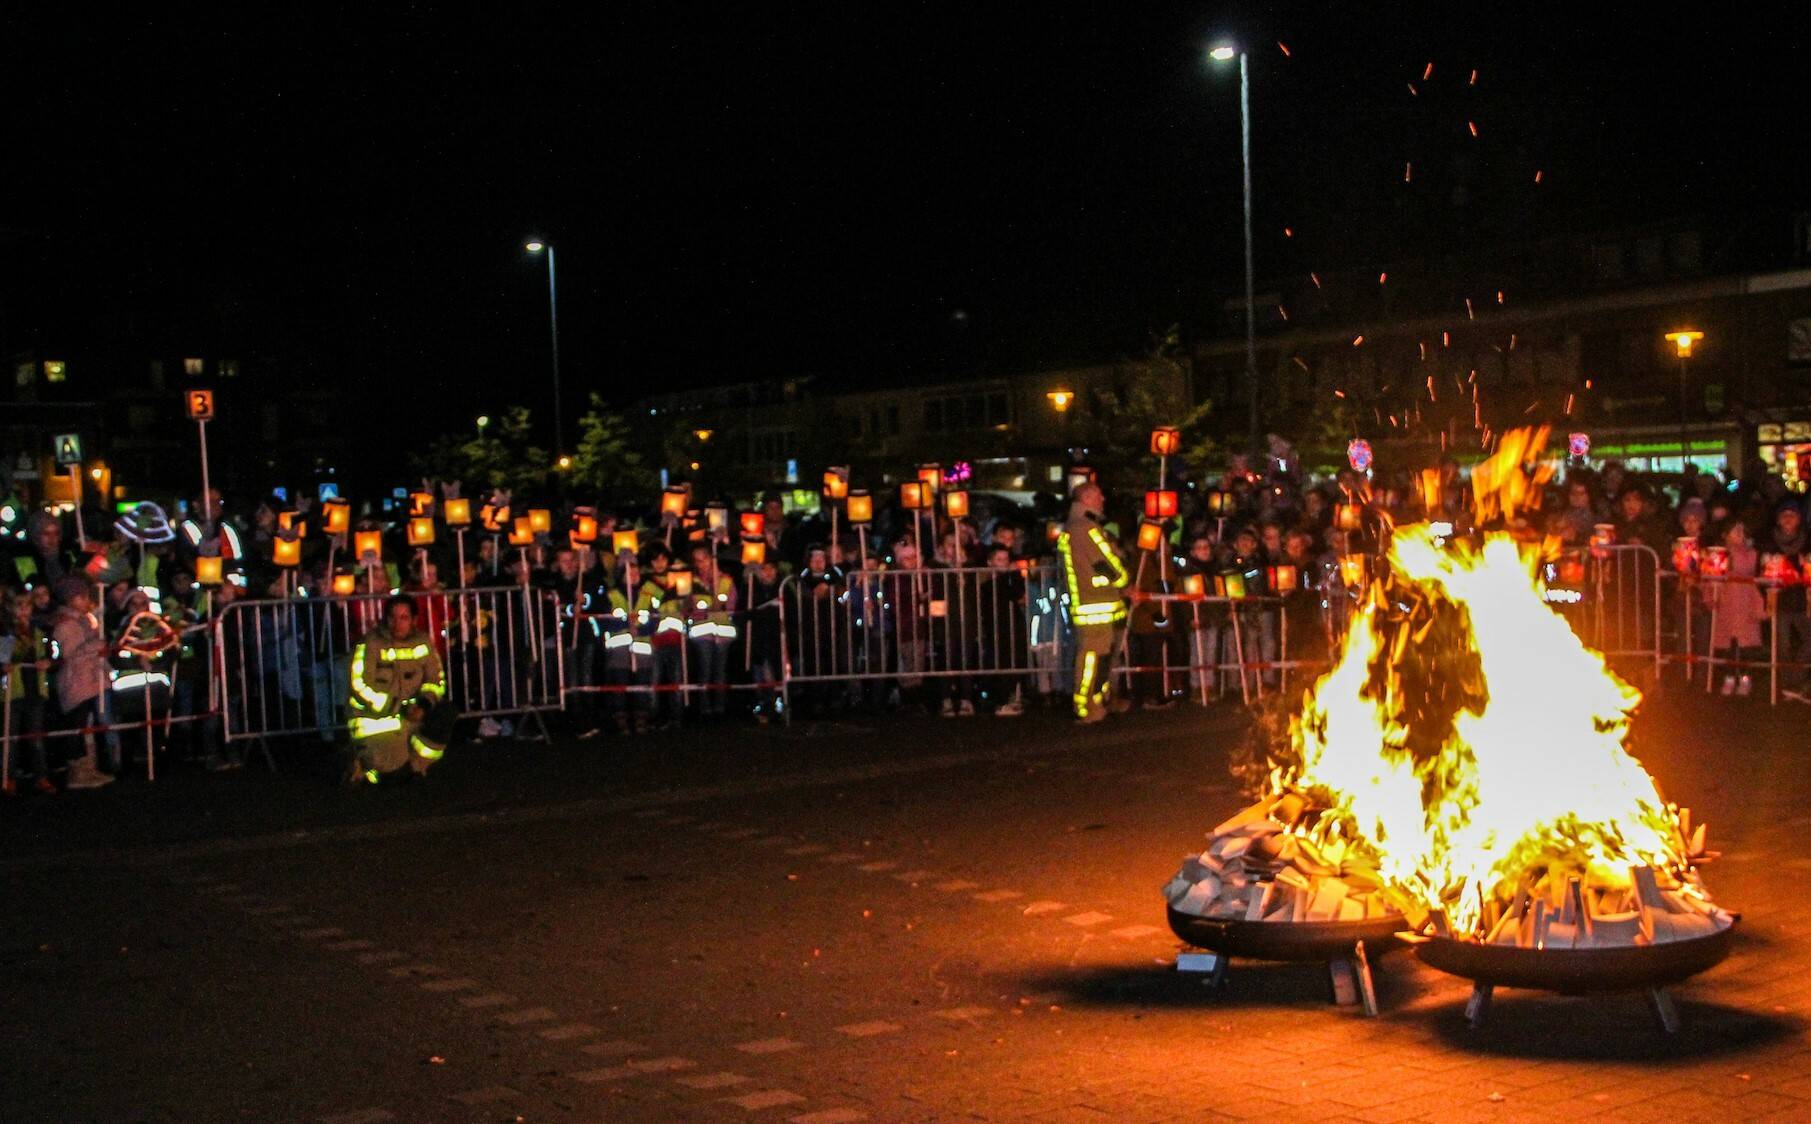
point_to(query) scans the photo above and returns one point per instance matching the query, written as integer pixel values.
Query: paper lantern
(345, 585)
(421, 531)
(1150, 535)
(1685, 554)
(716, 517)
(368, 544)
(1160, 504)
(540, 520)
(1166, 441)
(1352, 570)
(1358, 454)
(1571, 570)
(931, 476)
(1194, 586)
(1776, 568)
(911, 495)
(1230, 585)
(584, 529)
(836, 483)
(286, 552)
(421, 503)
(679, 581)
(955, 504)
(754, 551)
(1222, 502)
(457, 512)
(625, 542)
(673, 502)
(753, 523)
(289, 520)
(495, 518)
(522, 532)
(1716, 561)
(1348, 516)
(1603, 536)
(336, 517)
(1283, 579)
(861, 507)
(208, 570)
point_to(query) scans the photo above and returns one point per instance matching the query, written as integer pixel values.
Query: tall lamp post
(537, 246)
(1682, 341)
(1225, 52)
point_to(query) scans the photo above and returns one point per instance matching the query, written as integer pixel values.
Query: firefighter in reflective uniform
(1096, 576)
(399, 714)
(712, 614)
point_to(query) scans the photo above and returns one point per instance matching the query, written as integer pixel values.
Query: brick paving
(738, 938)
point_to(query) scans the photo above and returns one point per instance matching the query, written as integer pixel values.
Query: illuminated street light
(1061, 400)
(1682, 341)
(1224, 52)
(565, 463)
(536, 246)
(703, 434)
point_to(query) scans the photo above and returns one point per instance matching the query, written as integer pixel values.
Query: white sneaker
(507, 728)
(1729, 685)
(488, 728)
(966, 709)
(948, 709)
(1011, 708)
(86, 778)
(1745, 686)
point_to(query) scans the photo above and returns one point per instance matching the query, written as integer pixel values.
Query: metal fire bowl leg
(1287, 940)
(1577, 971)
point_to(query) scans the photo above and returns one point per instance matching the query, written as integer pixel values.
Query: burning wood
(1257, 867)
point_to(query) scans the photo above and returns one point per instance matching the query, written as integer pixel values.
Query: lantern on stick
(1166, 441)
(911, 495)
(1150, 534)
(1775, 568)
(345, 584)
(861, 507)
(1716, 561)
(540, 520)
(291, 522)
(1194, 586)
(754, 552)
(1221, 502)
(208, 570)
(931, 476)
(495, 517)
(368, 546)
(1603, 536)
(716, 517)
(673, 502)
(955, 504)
(336, 517)
(836, 482)
(1283, 579)
(286, 552)
(753, 524)
(625, 542)
(1160, 504)
(522, 532)
(679, 581)
(584, 529)
(421, 531)
(421, 503)
(1230, 584)
(457, 512)
(1685, 554)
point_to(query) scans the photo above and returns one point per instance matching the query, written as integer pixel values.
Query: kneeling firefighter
(400, 716)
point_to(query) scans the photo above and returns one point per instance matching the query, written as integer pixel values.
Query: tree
(607, 463)
(1147, 399)
(502, 457)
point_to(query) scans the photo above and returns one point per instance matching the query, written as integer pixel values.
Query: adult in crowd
(399, 720)
(1096, 577)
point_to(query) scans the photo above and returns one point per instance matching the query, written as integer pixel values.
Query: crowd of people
(703, 611)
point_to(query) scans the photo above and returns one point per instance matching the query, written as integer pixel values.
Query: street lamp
(483, 421)
(1682, 341)
(553, 319)
(1225, 52)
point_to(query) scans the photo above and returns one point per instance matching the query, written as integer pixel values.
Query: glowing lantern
(1194, 586)
(679, 581)
(955, 504)
(421, 503)
(1348, 516)
(1166, 441)
(931, 476)
(1160, 505)
(836, 482)
(911, 495)
(1578, 444)
(1230, 585)
(1358, 454)
(716, 517)
(1603, 536)
(1774, 567)
(1571, 570)
(1716, 561)
(1685, 554)
(753, 523)
(1150, 534)
(1023, 566)
(1283, 579)
(345, 585)
(861, 507)
(368, 545)
(625, 542)
(1222, 502)
(522, 533)
(421, 531)
(1352, 570)
(673, 502)
(336, 517)
(291, 522)
(754, 551)
(457, 512)
(286, 552)
(584, 529)
(540, 520)
(494, 517)
(208, 570)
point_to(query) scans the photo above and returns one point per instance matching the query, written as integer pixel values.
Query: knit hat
(1693, 506)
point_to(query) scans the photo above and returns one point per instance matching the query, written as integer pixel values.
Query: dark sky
(872, 190)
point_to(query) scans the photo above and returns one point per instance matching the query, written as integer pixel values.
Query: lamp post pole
(553, 320)
(1251, 321)
(1683, 341)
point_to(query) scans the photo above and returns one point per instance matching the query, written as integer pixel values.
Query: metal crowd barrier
(282, 667)
(1227, 638)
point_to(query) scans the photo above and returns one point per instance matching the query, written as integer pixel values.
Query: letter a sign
(69, 449)
(201, 404)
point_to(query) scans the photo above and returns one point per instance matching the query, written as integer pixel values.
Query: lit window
(55, 370)
(192, 366)
(229, 368)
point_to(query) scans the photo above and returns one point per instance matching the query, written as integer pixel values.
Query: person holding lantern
(400, 718)
(628, 656)
(711, 613)
(661, 610)
(1096, 577)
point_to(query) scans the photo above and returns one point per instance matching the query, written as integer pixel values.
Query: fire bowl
(1287, 940)
(1577, 971)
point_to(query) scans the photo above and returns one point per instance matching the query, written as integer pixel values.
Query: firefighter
(1095, 575)
(399, 714)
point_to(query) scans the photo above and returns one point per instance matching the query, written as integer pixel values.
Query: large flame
(1470, 738)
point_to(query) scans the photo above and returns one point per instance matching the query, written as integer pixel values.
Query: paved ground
(908, 920)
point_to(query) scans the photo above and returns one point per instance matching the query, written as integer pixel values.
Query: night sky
(875, 191)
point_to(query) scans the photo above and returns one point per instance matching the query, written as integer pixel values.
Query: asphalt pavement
(865, 919)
